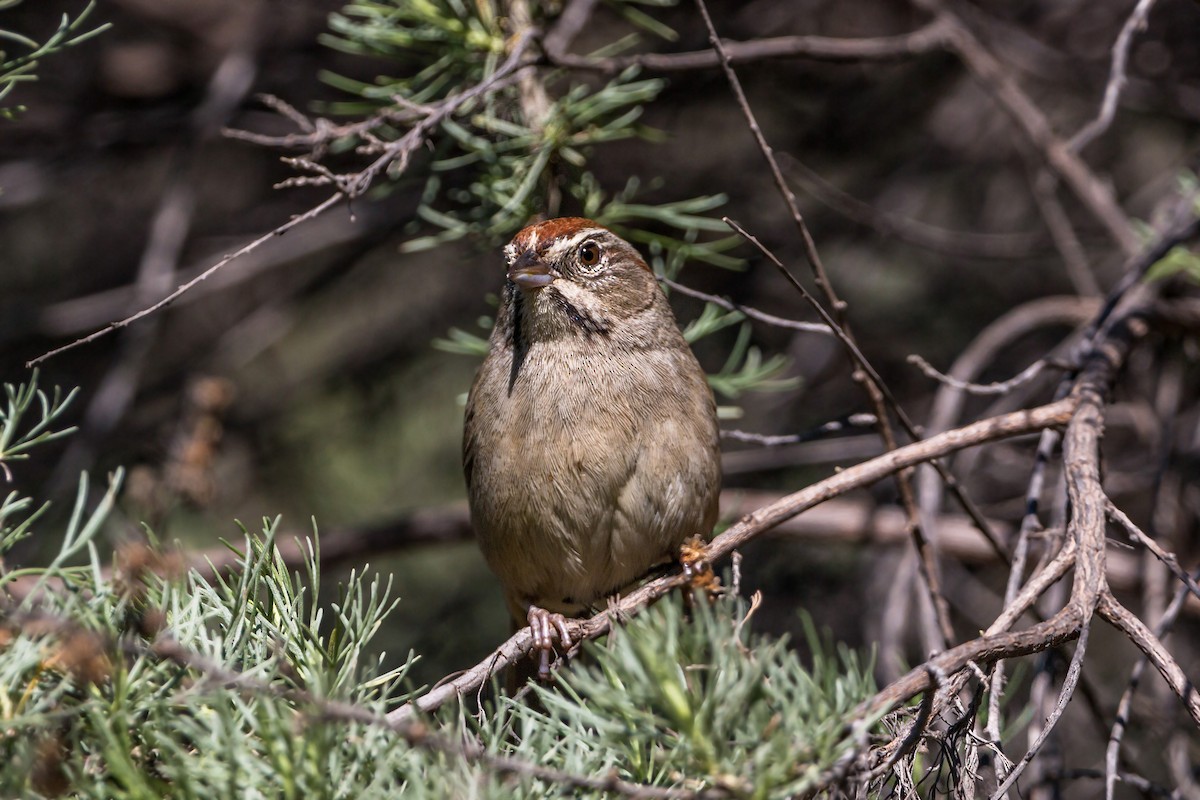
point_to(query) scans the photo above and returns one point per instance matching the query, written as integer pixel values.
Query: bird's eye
(589, 254)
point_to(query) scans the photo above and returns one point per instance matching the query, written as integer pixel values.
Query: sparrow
(590, 442)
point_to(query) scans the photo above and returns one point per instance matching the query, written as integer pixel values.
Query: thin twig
(842, 425)
(1064, 697)
(1125, 705)
(395, 153)
(1094, 194)
(754, 524)
(838, 330)
(1116, 77)
(996, 338)
(1183, 226)
(752, 313)
(1169, 560)
(816, 48)
(937, 679)
(1145, 640)
(313, 212)
(1100, 356)
(999, 387)
(878, 390)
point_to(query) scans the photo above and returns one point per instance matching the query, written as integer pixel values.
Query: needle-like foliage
(136, 678)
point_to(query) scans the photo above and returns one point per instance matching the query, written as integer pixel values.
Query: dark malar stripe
(585, 322)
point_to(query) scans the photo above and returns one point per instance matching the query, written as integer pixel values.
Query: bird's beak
(530, 272)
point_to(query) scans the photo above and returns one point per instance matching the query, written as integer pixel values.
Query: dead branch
(1144, 639)
(750, 527)
(939, 630)
(1169, 560)
(395, 156)
(1125, 705)
(1094, 195)
(816, 48)
(752, 313)
(997, 387)
(1117, 77)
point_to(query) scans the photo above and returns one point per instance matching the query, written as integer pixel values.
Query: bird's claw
(697, 566)
(546, 626)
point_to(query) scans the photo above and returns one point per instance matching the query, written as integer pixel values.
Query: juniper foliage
(138, 679)
(517, 153)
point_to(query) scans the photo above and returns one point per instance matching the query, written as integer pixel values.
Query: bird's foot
(546, 625)
(697, 567)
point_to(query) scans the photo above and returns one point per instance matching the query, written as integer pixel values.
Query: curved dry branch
(1128, 623)
(1116, 79)
(746, 529)
(816, 48)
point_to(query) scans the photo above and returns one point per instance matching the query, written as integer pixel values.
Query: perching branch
(748, 528)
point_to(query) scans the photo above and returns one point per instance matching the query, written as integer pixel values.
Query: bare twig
(1094, 195)
(835, 426)
(878, 391)
(1145, 640)
(835, 326)
(1105, 343)
(995, 338)
(753, 525)
(1169, 560)
(1064, 697)
(1183, 225)
(313, 212)
(81, 314)
(395, 155)
(752, 313)
(817, 48)
(998, 387)
(917, 727)
(1125, 705)
(1116, 77)
(948, 403)
(880, 396)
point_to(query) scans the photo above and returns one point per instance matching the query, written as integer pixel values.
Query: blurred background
(302, 379)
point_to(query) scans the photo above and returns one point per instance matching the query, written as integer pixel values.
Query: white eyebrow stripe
(578, 239)
(513, 249)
